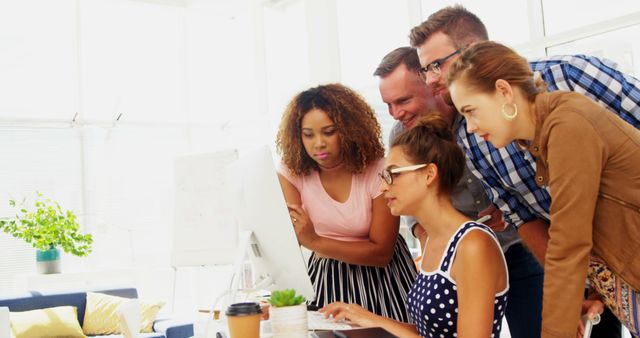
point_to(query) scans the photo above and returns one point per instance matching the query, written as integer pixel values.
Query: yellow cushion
(61, 321)
(101, 314)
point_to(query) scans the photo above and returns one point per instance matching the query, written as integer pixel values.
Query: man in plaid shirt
(508, 174)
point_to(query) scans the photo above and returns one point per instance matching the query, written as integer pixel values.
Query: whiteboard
(207, 189)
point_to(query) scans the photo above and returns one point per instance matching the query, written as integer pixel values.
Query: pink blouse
(348, 221)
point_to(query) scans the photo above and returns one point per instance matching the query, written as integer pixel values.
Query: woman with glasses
(461, 290)
(589, 160)
(331, 148)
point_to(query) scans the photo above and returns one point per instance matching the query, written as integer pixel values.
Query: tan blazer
(590, 159)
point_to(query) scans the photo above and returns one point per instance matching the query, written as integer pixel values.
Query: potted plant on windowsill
(48, 229)
(288, 314)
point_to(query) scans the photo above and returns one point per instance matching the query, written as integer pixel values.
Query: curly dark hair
(355, 121)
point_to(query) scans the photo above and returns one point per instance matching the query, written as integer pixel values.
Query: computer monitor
(275, 254)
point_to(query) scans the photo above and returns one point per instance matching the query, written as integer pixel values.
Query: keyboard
(316, 321)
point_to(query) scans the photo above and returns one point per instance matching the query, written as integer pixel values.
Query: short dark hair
(403, 55)
(431, 141)
(460, 25)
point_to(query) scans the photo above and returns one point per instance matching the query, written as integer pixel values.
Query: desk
(209, 328)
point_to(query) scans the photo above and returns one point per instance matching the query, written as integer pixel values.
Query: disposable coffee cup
(244, 320)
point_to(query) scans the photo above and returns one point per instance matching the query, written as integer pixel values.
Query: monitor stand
(248, 243)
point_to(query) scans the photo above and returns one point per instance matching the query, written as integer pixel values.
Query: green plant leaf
(46, 225)
(287, 297)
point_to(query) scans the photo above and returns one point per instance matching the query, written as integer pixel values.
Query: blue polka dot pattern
(433, 300)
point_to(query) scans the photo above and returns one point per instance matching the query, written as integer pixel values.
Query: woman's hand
(302, 224)
(590, 307)
(356, 315)
(351, 312)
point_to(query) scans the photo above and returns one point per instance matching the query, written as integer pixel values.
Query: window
(561, 16)
(132, 68)
(618, 46)
(364, 39)
(47, 160)
(37, 60)
(508, 22)
(287, 73)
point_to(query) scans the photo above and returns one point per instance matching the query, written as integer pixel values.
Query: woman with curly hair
(331, 148)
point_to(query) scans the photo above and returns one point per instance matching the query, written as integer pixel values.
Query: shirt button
(477, 202)
(469, 181)
(535, 148)
(539, 178)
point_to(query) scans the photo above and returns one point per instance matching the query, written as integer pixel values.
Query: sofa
(162, 327)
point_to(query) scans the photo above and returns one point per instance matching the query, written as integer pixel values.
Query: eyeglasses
(432, 70)
(388, 174)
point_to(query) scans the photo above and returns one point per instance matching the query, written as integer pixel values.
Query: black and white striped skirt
(381, 290)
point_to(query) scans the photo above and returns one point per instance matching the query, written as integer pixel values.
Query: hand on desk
(351, 312)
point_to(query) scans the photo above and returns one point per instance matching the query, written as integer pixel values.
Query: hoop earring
(507, 116)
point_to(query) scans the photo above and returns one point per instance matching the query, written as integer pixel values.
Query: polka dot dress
(433, 300)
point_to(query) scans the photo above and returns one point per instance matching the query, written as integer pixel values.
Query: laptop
(371, 332)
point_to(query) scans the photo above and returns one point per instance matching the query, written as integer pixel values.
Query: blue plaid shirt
(508, 174)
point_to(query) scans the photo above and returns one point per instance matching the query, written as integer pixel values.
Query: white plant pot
(289, 321)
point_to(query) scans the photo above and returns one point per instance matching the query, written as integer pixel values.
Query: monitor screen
(275, 254)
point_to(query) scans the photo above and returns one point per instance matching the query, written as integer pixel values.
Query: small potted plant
(288, 314)
(47, 228)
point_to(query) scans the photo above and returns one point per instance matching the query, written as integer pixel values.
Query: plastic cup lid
(243, 309)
